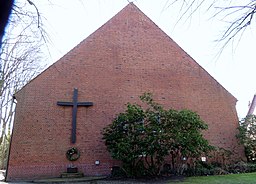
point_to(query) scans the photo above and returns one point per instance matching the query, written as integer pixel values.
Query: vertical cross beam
(74, 113)
(74, 105)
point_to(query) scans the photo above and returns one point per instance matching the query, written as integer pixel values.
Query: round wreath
(72, 154)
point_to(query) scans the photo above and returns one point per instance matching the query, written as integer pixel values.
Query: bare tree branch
(20, 57)
(237, 15)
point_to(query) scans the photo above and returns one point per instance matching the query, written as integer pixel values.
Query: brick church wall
(126, 57)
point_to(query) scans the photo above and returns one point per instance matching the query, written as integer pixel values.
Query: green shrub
(117, 172)
(205, 169)
(242, 167)
(247, 136)
(142, 138)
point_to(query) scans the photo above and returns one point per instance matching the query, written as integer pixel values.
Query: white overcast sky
(68, 22)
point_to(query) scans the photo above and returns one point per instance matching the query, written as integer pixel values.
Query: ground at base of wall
(100, 180)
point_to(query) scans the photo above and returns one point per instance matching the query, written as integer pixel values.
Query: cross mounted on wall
(74, 105)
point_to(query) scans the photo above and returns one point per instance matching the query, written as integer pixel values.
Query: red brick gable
(138, 21)
(127, 56)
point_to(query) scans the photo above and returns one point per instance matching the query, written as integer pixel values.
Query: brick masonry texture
(127, 56)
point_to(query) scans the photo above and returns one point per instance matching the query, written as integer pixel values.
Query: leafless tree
(5, 10)
(20, 57)
(237, 15)
(19, 64)
(21, 10)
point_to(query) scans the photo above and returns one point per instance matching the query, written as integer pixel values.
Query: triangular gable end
(142, 20)
(127, 56)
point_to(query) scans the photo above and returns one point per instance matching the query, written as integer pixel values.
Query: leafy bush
(247, 136)
(117, 172)
(142, 138)
(242, 167)
(4, 149)
(205, 169)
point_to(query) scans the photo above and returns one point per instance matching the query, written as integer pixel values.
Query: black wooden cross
(74, 104)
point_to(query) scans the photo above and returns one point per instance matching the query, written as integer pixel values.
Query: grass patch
(247, 178)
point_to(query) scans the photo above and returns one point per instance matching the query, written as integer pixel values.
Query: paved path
(101, 181)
